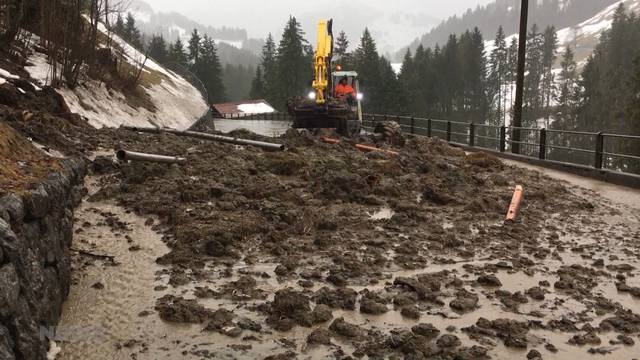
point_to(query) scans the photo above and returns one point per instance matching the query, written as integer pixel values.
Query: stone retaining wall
(35, 271)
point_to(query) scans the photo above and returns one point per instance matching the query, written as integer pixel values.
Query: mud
(325, 252)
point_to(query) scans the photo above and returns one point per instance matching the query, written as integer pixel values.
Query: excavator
(322, 109)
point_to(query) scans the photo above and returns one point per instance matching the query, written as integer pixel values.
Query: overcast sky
(394, 23)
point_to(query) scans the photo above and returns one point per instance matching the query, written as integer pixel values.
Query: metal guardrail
(272, 116)
(536, 143)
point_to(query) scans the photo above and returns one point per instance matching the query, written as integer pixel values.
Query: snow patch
(182, 33)
(397, 68)
(54, 350)
(236, 44)
(177, 103)
(259, 108)
(7, 75)
(141, 16)
(40, 70)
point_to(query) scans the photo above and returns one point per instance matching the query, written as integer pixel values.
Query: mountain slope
(560, 13)
(162, 97)
(234, 46)
(584, 36)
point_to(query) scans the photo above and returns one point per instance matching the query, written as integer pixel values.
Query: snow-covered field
(177, 103)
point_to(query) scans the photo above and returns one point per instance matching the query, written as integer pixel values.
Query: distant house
(239, 108)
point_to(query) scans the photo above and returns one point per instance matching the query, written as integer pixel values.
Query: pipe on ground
(211, 137)
(124, 155)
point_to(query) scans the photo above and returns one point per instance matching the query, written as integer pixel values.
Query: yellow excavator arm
(322, 60)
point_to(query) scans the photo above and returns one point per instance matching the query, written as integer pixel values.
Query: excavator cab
(322, 109)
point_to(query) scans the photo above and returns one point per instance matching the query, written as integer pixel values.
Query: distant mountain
(560, 13)
(234, 46)
(583, 36)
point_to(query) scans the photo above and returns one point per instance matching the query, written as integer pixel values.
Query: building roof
(259, 106)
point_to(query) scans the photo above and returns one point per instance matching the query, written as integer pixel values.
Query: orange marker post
(514, 208)
(329, 140)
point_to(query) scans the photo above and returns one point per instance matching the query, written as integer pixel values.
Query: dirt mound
(21, 163)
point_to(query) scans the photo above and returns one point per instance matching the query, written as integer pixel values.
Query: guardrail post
(429, 127)
(543, 144)
(398, 120)
(503, 138)
(599, 150)
(386, 118)
(413, 125)
(448, 131)
(472, 134)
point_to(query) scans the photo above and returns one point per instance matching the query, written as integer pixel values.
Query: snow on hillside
(582, 37)
(397, 68)
(177, 103)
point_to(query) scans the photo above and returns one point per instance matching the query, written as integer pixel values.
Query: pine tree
(607, 90)
(269, 71)
(498, 76)
(451, 78)
(533, 100)
(367, 64)
(476, 81)
(195, 46)
(119, 26)
(392, 97)
(408, 75)
(257, 85)
(634, 107)
(567, 93)
(293, 64)
(158, 49)
(177, 53)
(341, 53)
(237, 81)
(208, 69)
(131, 33)
(512, 72)
(549, 51)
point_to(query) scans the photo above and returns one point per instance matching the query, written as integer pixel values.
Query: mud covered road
(325, 252)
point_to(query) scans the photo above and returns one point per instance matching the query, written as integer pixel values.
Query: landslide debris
(330, 242)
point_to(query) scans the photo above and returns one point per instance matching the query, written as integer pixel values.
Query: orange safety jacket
(344, 90)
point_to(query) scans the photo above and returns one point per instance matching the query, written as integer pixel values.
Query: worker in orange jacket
(345, 91)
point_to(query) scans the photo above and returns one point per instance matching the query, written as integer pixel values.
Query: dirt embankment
(21, 164)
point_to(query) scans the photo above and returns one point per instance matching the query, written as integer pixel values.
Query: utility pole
(522, 54)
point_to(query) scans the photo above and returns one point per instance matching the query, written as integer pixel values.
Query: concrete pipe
(124, 155)
(211, 137)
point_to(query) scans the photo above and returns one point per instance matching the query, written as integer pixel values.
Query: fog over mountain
(393, 24)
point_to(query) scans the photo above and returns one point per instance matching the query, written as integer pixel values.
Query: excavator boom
(322, 62)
